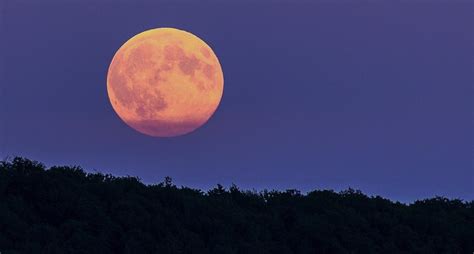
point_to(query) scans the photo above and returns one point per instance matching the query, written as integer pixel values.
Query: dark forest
(67, 210)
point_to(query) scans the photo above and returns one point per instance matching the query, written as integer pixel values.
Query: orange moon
(165, 82)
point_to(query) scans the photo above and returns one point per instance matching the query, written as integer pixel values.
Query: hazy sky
(375, 96)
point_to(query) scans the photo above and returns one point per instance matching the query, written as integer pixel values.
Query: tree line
(66, 210)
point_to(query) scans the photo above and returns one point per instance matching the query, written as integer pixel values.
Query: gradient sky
(375, 96)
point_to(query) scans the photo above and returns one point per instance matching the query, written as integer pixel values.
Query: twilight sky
(375, 96)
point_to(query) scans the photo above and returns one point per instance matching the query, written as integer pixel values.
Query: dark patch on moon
(209, 71)
(187, 64)
(156, 78)
(139, 57)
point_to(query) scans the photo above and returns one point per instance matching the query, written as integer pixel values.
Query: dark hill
(65, 210)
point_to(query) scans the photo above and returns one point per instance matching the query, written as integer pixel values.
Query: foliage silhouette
(66, 210)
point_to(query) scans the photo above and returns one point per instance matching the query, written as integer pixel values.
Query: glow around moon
(165, 82)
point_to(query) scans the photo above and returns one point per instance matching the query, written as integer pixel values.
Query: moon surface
(165, 82)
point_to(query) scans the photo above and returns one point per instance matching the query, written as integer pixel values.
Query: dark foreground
(65, 210)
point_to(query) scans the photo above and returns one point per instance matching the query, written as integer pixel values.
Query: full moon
(165, 82)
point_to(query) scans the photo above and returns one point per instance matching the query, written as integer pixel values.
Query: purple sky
(375, 96)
